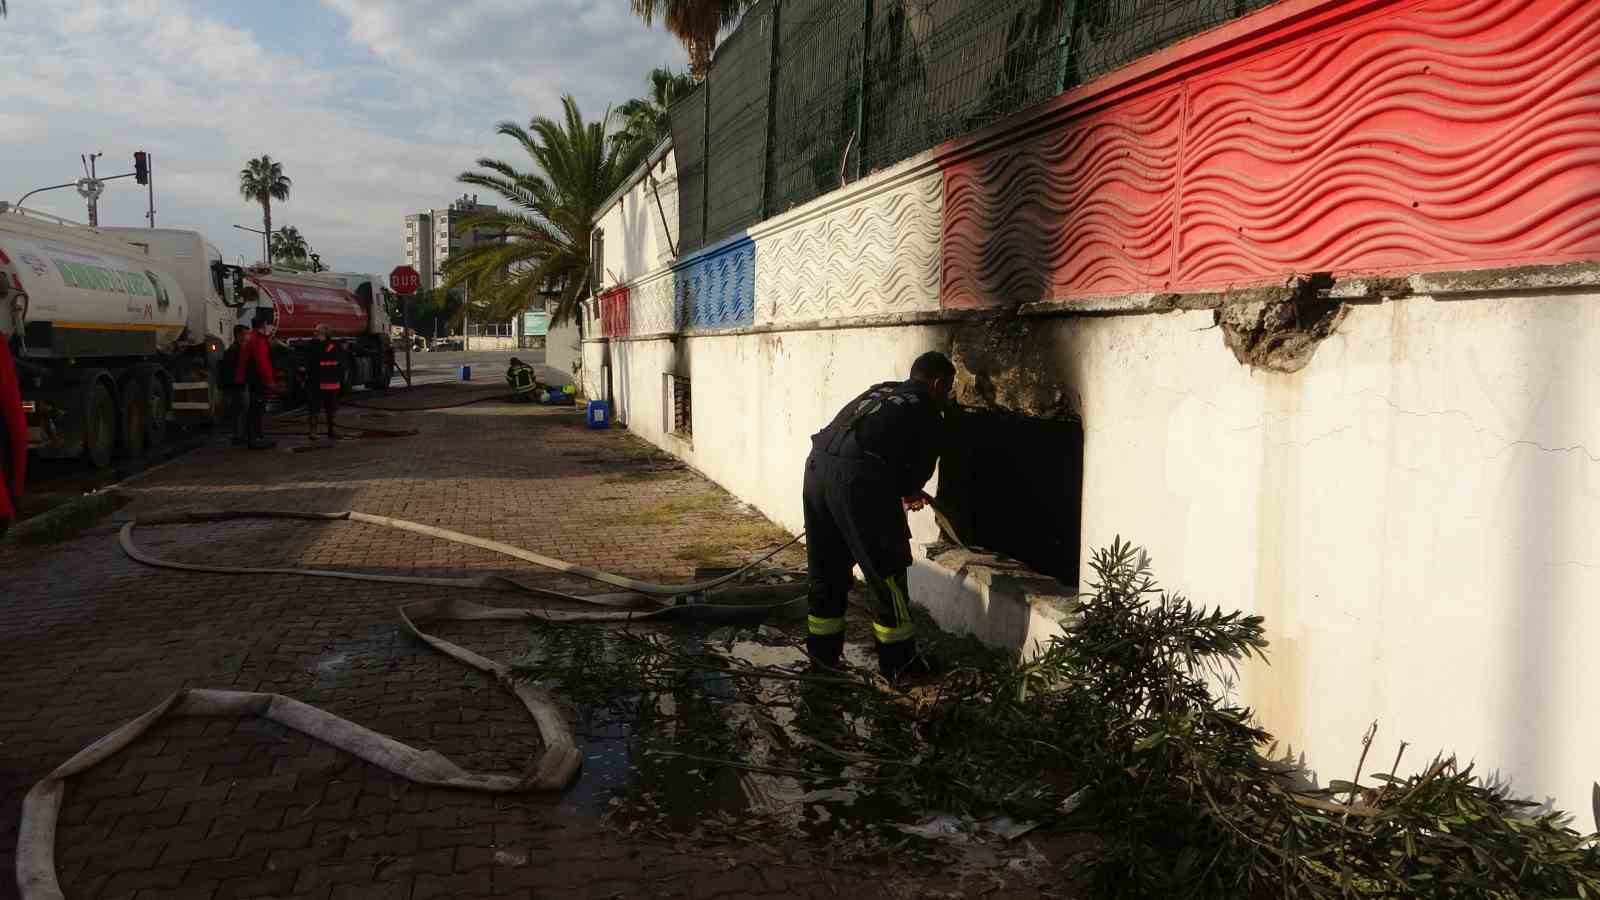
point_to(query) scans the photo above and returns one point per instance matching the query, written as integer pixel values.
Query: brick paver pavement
(218, 808)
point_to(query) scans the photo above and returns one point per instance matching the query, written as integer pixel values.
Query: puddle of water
(655, 758)
(332, 662)
(52, 482)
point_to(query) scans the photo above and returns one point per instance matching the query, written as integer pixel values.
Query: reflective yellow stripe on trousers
(822, 627)
(902, 631)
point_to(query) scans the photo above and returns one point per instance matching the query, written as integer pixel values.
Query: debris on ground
(1102, 767)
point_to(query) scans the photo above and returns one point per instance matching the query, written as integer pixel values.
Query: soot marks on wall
(1280, 329)
(1013, 484)
(1011, 474)
(1012, 364)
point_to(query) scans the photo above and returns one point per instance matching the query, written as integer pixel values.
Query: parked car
(448, 344)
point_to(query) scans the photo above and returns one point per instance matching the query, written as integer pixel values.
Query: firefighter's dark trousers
(256, 411)
(237, 407)
(854, 518)
(323, 403)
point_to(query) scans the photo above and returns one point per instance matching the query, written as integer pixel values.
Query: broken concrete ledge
(999, 601)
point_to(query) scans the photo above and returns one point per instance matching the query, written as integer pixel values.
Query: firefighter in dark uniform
(324, 378)
(524, 382)
(235, 395)
(865, 470)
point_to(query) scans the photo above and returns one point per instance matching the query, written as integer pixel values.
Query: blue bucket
(466, 373)
(599, 414)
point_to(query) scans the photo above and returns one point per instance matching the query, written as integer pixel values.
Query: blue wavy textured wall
(716, 287)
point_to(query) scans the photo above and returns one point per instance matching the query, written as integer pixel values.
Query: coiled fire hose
(551, 770)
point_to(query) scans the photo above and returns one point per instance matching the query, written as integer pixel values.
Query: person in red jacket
(254, 371)
(13, 437)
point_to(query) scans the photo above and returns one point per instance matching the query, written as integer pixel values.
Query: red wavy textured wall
(1409, 137)
(614, 312)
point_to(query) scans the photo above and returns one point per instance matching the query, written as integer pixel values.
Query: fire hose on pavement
(551, 770)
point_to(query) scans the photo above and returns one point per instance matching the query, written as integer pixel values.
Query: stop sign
(404, 280)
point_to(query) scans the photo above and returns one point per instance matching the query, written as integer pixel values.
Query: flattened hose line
(551, 769)
(649, 588)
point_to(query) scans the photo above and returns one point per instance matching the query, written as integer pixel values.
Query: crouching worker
(524, 383)
(865, 470)
(325, 376)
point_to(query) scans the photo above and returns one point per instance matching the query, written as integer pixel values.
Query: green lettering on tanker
(66, 273)
(137, 284)
(95, 278)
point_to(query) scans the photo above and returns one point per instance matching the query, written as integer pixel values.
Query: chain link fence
(689, 136)
(817, 115)
(807, 95)
(736, 155)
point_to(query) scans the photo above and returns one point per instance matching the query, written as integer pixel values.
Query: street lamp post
(266, 248)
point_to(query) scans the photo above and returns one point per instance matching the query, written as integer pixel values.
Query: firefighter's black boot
(825, 649)
(899, 660)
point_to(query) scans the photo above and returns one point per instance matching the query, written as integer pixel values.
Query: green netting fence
(806, 95)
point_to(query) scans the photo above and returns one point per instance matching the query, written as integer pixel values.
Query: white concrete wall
(562, 349)
(595, 355)
(758, 398)
(636, 241)
(1416, 514)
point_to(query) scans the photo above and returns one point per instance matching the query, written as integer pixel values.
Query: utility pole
(91, 189)
(405, 318)
(150, 182)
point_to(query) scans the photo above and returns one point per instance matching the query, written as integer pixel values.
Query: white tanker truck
(104, 331)
(119, 331)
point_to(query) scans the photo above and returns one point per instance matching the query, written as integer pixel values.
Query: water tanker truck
(352, 306)
(119, 331)
(115, 332)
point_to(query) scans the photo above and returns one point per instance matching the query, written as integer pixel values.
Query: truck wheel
(99, 425)
(383, 374)
(135, 418)
(157, 390)
(214, 393)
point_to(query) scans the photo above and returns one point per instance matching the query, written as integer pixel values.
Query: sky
(373, 106)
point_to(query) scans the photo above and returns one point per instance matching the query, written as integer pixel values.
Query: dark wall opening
(1013, 484)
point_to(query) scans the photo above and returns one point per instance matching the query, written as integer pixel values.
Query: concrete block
(998, 601)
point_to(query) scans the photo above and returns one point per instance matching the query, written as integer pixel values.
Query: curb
(61, 522)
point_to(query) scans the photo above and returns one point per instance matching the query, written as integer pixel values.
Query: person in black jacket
(234, 398)
(865, 470)
(324, 379)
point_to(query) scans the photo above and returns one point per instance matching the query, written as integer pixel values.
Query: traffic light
(141, 167)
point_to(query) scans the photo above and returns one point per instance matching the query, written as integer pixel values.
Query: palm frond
(575, 165)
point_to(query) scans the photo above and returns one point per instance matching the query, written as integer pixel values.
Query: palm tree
(695, 23)
(263, 181)
(644, 119)
(546, 226)
(289, 244)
